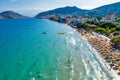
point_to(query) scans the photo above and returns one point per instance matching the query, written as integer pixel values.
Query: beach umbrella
(119, 68)
(113, 60)
(116, 65)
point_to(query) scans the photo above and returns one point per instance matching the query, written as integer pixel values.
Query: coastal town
(108, 25)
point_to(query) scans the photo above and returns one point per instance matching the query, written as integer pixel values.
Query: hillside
(64, 11)
(100, 11)
(103, 10)
(11, 14)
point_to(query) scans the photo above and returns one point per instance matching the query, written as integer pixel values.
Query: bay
(40, 49)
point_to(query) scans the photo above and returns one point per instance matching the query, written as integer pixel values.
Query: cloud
(13, 0)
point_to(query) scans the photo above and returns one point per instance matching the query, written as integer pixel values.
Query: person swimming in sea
(76, 48)
(70, 60)
(71, 66)
(70, 63)
(87, 61)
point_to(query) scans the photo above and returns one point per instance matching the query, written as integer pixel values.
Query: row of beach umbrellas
(103, 46)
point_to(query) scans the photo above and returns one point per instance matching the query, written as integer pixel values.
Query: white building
(110, 17)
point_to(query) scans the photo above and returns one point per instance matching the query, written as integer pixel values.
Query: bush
(116, 41)
(117, 28)
(107, 25)
(85, 26)
(101, 30)
(112, 30)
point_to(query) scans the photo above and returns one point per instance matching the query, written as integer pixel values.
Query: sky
(33, 7)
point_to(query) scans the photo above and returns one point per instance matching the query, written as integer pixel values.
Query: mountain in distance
(64, 10)
(11, 14)
(100, 11)
(103, 10)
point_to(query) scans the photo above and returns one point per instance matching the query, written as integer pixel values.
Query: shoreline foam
(102, 61)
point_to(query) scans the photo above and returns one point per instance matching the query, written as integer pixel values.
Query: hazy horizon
(32, 8)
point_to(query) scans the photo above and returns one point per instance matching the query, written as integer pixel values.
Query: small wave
(70, 32)
(81, 45)
(95, 79)
(71, 67)
(56, 76)
(71, 40)
(72, 71)
(86, 68)
(78, 39)
(66, 40)
(33, 78)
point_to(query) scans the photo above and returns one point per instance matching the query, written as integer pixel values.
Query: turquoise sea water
(32, 49)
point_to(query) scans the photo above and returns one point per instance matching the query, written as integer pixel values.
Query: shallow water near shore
(33, 49)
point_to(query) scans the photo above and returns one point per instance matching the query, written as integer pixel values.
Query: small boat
(44, 33)
(61, 33)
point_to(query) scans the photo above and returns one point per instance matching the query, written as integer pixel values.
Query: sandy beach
(101, 47)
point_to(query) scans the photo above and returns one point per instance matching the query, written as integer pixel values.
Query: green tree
(99, 17)
(117, 28)
(116, 41)
(107, 25)
(101, 30)
(54, 18)
(112, 30)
